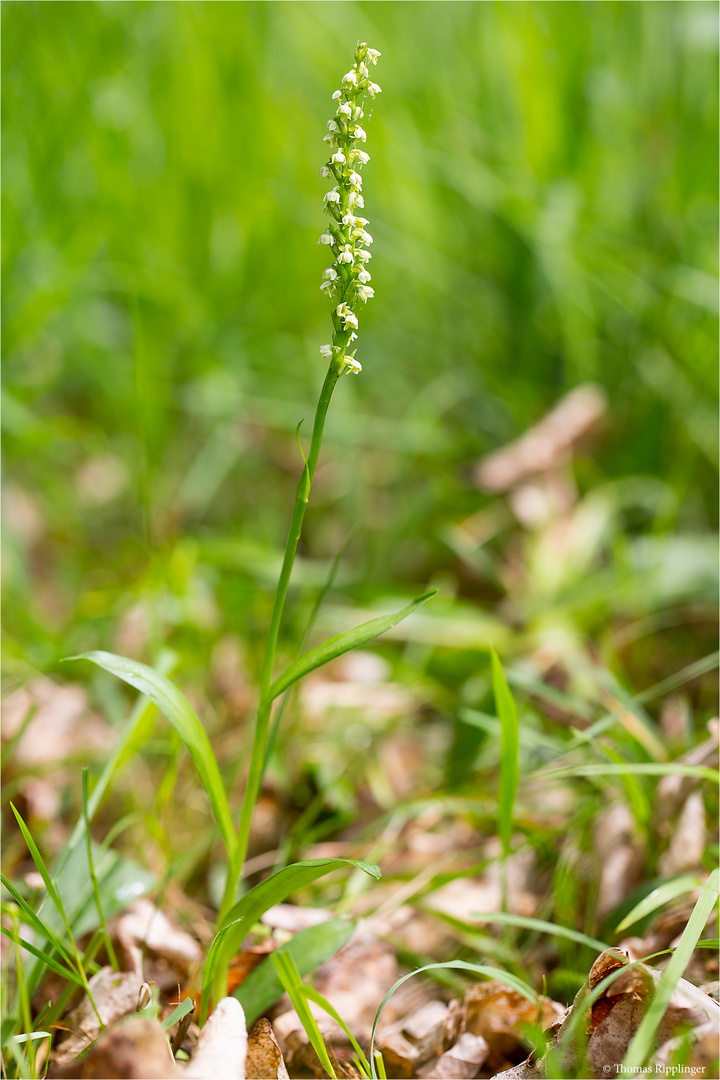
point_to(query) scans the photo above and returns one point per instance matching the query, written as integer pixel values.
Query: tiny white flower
(364, 277)
(363, 255)
(362, 221)
(358, 133)
(353, 337)
(357, 113)
(346, 314)
(359, 201)
(328, 138)
(355, 179)
(345, 109)
(338, 94)
(366, 237)
(374, 89)
(346, 255)
(361, 156)
(327, 287)
(338, 157)
(326, 238)
(373, 55)
(332, 196)
(332, 126)
(365, 292)
(352, 366)
(331, 273)
(326, 352)
(348, 219)
(350, 78)
(350, 320)
(326, 171)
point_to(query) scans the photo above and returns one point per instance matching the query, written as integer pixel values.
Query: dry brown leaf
(549, 444)
(116, 995)
(291, 918)
(687, 845)
(497, 1013)
(620, 855)
(144, 928)
(222, 1046)
(136, 1050)
(464, 897)
(63, 725)
(461, 1062)
(264, 1058)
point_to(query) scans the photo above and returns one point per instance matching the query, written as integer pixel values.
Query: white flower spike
(346, 280)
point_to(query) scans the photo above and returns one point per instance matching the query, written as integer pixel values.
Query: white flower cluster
(347, 280)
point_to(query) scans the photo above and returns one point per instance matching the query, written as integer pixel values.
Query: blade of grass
(669, 890)
(292, 984)
(456, 965)
(309, 948)
(642, 768)
(34, 920)
(93, 876)
(246, 912)
(643, 1040)
(314, 995)
(342, 643)
(509, 761)
(49, 961)
(542, 927)
(184, 719)
(181, 1010)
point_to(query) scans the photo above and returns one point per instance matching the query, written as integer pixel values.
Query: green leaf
(460, 965)
(509, 751)
(541, 926)
(669, 890)
(46, 959)
(245, 913)
(290, 978)
(184, 719)
(642, 768)
(30, 917)
(309, 949)
(181, 1010)
(336, 646)
(644, 1038)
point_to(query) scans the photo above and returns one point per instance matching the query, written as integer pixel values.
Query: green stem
(257, 758)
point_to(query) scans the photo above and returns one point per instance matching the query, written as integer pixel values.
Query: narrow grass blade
(47, 960)
(292, 983)
(309, 949)
(542, 927)
(182, 1009)
(184, 719)
(663, 894)
(641, 768)
(93, 876)
(246, 912)
(336, 646)
(32, 919)
(456, 965)
(509, 751)
(644, 1038)
(314, 995)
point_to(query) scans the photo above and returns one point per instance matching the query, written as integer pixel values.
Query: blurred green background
(542, 193)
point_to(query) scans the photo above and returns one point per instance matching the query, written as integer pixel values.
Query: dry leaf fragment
(687, 846)
(462, 1062)
(264, 1060)
(425, 1029)
(115, 995)
(144, 927)
(291, 918)
(222, 1046)
(135, 1050)
(399, 1055)
(63, 725)
(497, 1013)
(620, 855)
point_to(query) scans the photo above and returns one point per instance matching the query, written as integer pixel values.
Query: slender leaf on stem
(663, 894)
(292, 984)
(184, 719)
(634, 768)
(93, 875)
(47, 959)
(32, 919)
(644, 1038)
(181, 1010)
(509, 751)
(314, 995)
(309, 949)
(246, 912)
(456, 965)
(543, 927)
(336, 646)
